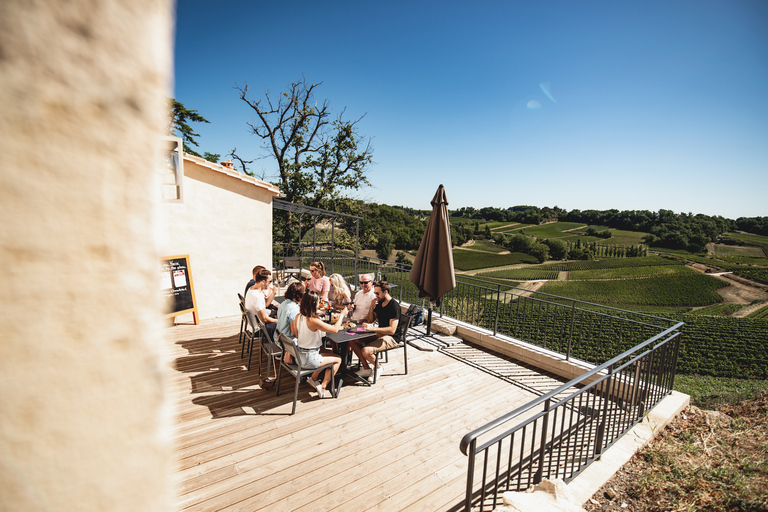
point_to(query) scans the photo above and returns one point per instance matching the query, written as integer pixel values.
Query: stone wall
(83, 420)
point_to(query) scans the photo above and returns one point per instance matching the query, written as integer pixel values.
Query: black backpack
(416, 312)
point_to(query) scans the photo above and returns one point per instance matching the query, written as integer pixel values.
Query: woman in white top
(340, 295)
(309, 329)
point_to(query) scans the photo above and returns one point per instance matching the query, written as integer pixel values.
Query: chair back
(250, 317)
(402, 328)
(291, 347)
(263, 328)
(291, 262)
(240, 296)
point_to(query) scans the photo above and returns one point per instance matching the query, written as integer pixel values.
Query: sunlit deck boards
(393, 446)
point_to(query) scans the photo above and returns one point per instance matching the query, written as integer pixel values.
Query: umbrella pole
(429, 319)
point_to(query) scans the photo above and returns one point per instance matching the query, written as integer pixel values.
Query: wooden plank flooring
(393, 446)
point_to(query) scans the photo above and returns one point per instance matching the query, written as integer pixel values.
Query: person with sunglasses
(386, 311)
(358, 310)
(319, 282)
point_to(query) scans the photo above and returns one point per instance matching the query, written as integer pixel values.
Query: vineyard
(522, 274)
(757, 274)
(611, 263)
(675, 290)
(472, 260)
(631, 272)
(724, 347)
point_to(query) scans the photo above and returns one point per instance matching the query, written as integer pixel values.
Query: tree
(384, 246)
(318, 157)
(179, 123)
(540, 252)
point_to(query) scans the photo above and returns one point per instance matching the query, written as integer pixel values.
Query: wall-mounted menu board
(177, 288)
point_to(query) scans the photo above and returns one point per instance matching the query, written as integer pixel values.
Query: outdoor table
(342, 339)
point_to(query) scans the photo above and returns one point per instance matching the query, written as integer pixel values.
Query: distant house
(223, 220)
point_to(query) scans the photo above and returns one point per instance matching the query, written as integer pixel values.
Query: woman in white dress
(308, 329)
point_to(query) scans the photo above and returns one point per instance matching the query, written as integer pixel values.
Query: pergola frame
(300, 209)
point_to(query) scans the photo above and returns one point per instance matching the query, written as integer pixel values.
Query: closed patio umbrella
(432, 271)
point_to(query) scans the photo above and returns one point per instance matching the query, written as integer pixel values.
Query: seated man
(269, 293)
(362, 300)
(255, 301)
(386, 310)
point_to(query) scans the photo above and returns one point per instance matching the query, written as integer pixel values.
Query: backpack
(416, 312)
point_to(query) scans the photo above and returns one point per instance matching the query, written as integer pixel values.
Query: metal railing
(557, 435)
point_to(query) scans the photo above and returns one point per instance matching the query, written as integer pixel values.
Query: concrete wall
(83, 422)
(225, 225)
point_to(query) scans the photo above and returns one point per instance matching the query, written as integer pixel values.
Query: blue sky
(581, 105)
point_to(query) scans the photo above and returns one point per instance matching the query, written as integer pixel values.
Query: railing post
(498, 299)
(542, 448)
(470, 476)
(607, 385)
(570, 334)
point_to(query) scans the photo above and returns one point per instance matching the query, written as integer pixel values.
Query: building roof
(275, 191)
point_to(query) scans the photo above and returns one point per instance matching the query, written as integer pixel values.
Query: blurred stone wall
(83, 422)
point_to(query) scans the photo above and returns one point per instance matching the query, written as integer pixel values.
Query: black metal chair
(268, 347)
(400, 337)
(296, 368)
(243, 319)
(249, 333)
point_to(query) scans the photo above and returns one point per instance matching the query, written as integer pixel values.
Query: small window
(171, 170)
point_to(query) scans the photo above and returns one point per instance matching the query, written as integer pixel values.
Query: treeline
(666, 229)
(555, 249)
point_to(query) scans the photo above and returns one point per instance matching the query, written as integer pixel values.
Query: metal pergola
(300, 209)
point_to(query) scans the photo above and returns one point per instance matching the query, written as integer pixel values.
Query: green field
(676, 290)
(472, 260)
(630, 272)
(644, 261)
(523, 274)
(486, 246)
(553, 230)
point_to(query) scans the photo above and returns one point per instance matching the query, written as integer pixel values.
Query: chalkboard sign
(177, 288)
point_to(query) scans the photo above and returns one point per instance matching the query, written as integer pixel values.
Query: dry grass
(704, 460)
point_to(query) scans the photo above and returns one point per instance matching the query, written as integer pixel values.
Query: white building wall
(225, 225)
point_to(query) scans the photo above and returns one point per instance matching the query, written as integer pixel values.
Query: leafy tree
(179, 123)
(401, 257)
(212, 157)
(558, 250)
(318, 157)
(540, 252)
(384, 246)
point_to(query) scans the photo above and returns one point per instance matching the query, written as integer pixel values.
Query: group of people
(297, 317)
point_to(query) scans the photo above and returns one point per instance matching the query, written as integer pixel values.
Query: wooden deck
(393, 446)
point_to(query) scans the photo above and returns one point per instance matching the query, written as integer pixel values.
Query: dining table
(342, 339)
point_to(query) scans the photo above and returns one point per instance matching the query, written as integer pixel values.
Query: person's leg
(329, 357)
(357, 349)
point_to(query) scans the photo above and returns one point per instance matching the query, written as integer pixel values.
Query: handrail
(471, 436)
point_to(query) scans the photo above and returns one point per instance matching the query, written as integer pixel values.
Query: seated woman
(340, 295)
(309, 329)
(319, 282)
(288, 311)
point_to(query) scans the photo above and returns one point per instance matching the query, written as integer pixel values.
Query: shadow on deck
(392, 446)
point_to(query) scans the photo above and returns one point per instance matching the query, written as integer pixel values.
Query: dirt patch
(740, 291)
(703, 460)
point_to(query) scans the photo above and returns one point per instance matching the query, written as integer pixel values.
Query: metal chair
(243, 319)
(400, 336)
(297, 370)
(268, 347)
(249, 333)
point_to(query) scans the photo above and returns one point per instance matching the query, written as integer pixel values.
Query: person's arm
(265, 317)
(295, 326)
(325, 327)
(371, 316)
(269, 298)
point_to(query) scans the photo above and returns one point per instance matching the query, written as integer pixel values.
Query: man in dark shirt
(386, 310)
